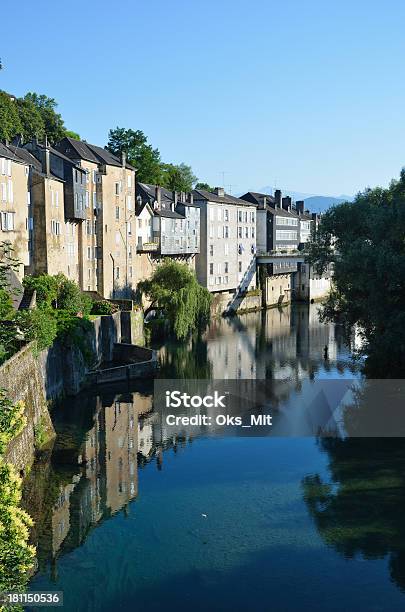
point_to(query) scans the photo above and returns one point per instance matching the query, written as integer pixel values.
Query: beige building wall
(87, 239)
(116, 231)
(14, 207)
(55, 240)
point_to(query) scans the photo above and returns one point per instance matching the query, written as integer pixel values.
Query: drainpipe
(113, 265)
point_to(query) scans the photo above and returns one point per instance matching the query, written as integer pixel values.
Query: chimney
(174, 197)
(286, 203)
(315, 217)
(219, 191)
(123, 159)
(300, 206)
(277, 198)
(46, 159)
(157, 195)
(190, 198)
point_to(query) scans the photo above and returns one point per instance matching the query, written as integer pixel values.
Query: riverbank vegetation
(364, 241)
(16, 555)
(174, 292)
(61, 312)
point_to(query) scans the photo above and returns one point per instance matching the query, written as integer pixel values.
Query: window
(117, 213)
(130, 271)
(117, 237)
(94, 199)
(94, 176)
(88, 252)
(81, 202)
(286, 235)
(226, 231)
(77, 201)
(286, 221)
(10, 191)
(117, 189)
(117, 273)
(211, 231)
(226, 214)
(239, 232)
(129, 228)
(211, 268)
(3, 192)
(129, 181)
(246, 232)
(7, 221)
(88, 227)
(219, 214)
(240, 216)
(219, 268)
(252, 217)
(226, 267)
(240, 266)
(211, 250)
(87, 199)
(129, 202)
(253, 232)
(219, 233)
(245, 216)
(55, 227)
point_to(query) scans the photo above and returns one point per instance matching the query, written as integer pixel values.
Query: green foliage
(16, 556)
(10, 123)
(71, 299)
(205, 187)
(38, 324)
(103, 307)
(147, 161)
(174, 288)
(33, 115)
(72, 134)
(6, 304)
(40, 433)
(54, 126)
(140, 154)
(364, 241)
(178, 177)
(46, 287)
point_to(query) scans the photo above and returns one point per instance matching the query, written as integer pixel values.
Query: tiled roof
(201, 194)
(85, 150)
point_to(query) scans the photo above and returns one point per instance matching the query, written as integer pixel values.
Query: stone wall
(21, 377)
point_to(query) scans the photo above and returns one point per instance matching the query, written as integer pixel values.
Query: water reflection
(359, 509)
(105, 438)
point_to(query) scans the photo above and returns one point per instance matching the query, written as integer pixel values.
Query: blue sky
(309, 95)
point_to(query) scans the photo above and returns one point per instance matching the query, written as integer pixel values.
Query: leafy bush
(6, 304)
(16, 555)
(71, 299)
(38, 324)
(46, 287)
(103, 307)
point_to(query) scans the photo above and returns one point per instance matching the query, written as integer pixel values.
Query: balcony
(144, 246)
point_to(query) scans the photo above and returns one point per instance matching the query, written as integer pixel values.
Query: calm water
(128, 519)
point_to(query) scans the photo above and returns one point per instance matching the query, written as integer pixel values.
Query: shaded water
(127, 517)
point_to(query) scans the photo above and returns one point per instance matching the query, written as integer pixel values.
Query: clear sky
(306, 93)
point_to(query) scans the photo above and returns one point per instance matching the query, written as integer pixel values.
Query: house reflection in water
(74, 488)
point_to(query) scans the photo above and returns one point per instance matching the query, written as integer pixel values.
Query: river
(129, 518)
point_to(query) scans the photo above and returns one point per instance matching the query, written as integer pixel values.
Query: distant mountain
(322, 203)
(313, 202)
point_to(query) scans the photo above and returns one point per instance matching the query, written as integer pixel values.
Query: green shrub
(103, 307)
(38, 324)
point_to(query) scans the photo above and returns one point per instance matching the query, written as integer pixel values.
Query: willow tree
(173, 289)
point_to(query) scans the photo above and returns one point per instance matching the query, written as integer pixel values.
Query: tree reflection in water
(360, 510)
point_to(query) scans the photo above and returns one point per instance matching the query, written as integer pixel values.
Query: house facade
(15, 206)
(107, 241)
(227, 258)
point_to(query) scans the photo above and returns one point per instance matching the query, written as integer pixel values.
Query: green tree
(173, 288)
(72, 134)
(32, 123)
(364, 241)
(53, 123)
(139, 153)
(205, 187)
(178, 177)
(10, 124)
